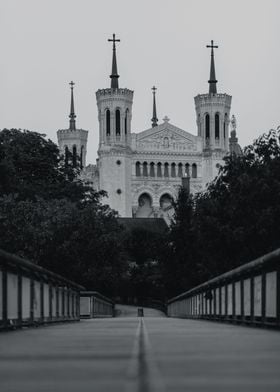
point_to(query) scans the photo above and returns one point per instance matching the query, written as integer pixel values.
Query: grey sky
(46, 43)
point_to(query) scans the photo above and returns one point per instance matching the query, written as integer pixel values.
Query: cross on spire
(154, 119)
(114, 40)
(212, 46)
(114, 75)
(212, 81)
(72, 116)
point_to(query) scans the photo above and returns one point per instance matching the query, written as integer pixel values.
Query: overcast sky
(45, 44)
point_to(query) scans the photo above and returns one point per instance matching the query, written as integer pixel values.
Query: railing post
(252, 299)
(68, 302)
(57, 302)
(242, 299)
(215, 303)
(31, 300)
(263, 301)
(278, 297)
(42, 302)
(220, 302)
(50, 301)
(5, 296)
(233, 301)
(226, 300)
(63, 302)
(19, 298)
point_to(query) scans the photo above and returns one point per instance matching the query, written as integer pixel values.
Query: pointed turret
(154, 118)
(212, 81)
(72, 116)
(114, 75)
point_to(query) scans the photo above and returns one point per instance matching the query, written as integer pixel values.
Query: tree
(236, 219)
(49, 216)
(31, 166)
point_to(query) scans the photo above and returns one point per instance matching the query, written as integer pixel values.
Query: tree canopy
(49, 216)
(235, 220)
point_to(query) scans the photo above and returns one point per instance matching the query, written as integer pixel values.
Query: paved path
(153, 354)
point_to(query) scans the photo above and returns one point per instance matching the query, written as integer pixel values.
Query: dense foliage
(234, 221)
(52, 218)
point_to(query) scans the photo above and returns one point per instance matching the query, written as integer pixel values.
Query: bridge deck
(143, 355)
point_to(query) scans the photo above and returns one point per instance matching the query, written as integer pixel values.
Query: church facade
(142, 172)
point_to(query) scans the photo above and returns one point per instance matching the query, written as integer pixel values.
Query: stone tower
(213, 117)
(114, 152)
(73, 140)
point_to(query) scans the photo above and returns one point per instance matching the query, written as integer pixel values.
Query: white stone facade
(142, 172)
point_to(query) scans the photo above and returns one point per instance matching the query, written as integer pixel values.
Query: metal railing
(94, 304)
(249, 294)
(32, 295)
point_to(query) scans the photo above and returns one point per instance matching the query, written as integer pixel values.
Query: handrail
(19, 262)
(249, 293)
(33, 295)
(93, 304)
(96, 294)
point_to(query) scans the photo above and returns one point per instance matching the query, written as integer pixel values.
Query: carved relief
(166, 141)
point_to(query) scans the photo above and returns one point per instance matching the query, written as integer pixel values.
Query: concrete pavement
(140, 355)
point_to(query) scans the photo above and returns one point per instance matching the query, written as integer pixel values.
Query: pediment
(166, 137)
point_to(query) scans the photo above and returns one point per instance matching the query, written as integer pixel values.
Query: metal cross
(72, 84)
(114, 40)
(212, 46)
(154, 89)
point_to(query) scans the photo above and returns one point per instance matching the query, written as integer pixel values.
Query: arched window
(173, 170)
(108, 122)
(138, 169)
(144, 209)
(74, 156)
(225, 121)
(194, 170)
(125, 121)
(187, 169)
(166, 170)
(159, 174)
(145, 169)
(207, 126)
(152, 169)
(118, 122)
(217, 126)
(82, 156)
(180, 170)
(166, 202)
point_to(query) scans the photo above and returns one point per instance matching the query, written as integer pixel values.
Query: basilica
(142, 172)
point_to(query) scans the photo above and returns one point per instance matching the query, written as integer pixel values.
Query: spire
(114, 75)
(154, 119)
(72, 124)
(212, 81)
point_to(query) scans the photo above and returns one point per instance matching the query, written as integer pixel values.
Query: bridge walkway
(140, 355)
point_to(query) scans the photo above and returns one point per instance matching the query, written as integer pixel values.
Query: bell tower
(114, 115)
(213, 117)
(73, 140)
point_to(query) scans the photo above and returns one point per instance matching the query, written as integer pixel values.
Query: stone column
(141, 169)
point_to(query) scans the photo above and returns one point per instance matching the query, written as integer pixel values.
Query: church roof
(166, 125)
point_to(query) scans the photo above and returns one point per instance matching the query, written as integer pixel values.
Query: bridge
(198, 348)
